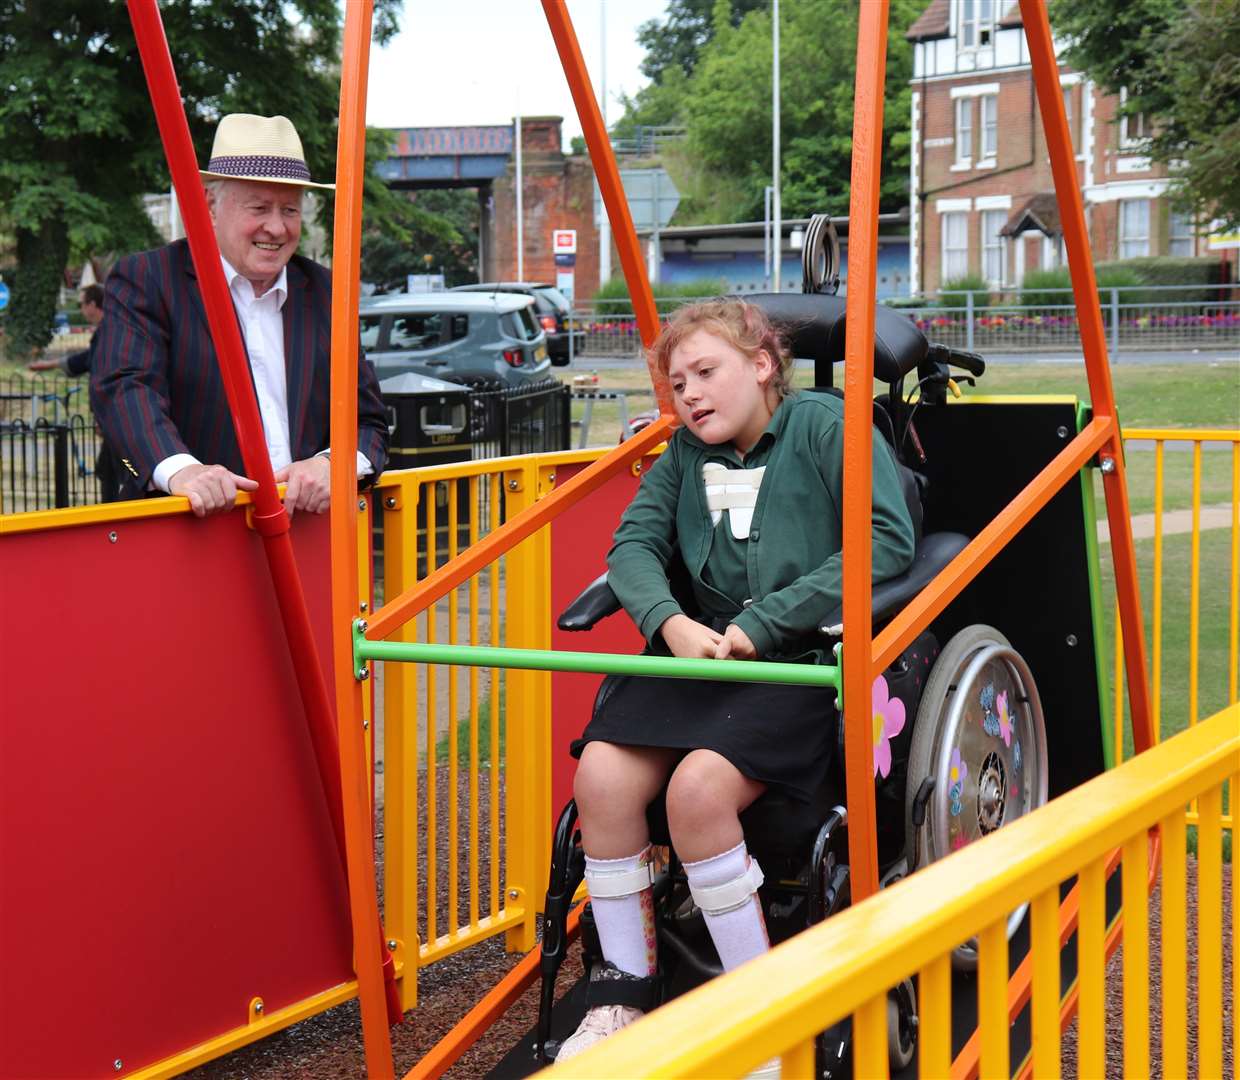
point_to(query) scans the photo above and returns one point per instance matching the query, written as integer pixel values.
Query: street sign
(4, 296)
(564, 241)
(651, 195)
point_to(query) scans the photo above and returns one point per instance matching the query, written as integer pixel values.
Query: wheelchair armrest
(933, 552)
(596, 601)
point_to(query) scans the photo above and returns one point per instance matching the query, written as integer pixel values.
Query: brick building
(982, 196)
(558, 193)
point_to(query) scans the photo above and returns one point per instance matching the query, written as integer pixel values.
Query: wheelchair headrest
(813, 325)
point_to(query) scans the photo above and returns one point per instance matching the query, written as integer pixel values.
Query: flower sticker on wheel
(956, 774)
(888, 713)
(990, 722)
(1005, 718)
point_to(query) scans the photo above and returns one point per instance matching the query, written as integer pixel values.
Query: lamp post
(777, 208)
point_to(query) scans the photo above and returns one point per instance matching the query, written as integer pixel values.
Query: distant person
(156, 386)
(90, 302)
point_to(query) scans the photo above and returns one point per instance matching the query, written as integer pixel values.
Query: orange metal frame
(1100, 437)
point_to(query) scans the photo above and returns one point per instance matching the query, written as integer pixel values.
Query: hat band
(278, 168)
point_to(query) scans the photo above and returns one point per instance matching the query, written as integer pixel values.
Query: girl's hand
(688, 639)
(735, 645)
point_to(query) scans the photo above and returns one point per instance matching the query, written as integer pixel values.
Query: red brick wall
(558, 193)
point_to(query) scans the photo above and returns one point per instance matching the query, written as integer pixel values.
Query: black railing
(49, 464)
(534, 419)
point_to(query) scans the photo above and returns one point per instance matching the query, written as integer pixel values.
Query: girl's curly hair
(742, 325)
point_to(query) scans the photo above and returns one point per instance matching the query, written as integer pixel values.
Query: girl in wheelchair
(747, 499)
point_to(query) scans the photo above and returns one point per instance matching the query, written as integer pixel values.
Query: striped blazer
(156, 387)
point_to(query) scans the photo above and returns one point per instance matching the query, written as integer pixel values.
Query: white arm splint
(733, 490)
(613, 884)
(719, 899)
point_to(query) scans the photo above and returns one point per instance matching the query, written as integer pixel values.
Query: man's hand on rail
(735, 645)
(211, 489)
(309, 485)
(689, 639)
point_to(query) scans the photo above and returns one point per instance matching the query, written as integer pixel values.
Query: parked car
(489, 341)
(550, 308)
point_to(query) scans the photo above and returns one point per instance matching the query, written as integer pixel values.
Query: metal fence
(531, 419)
(1137, 319)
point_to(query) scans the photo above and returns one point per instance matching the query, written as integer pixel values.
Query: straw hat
(262, 148)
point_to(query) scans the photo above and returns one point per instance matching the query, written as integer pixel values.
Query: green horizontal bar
(667, 667)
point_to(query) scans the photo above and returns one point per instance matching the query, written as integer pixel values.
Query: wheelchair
(973, 757)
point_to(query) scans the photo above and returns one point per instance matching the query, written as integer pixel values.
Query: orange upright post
(858, 444)
(1093, 342)
(599, 144)
(370, 954)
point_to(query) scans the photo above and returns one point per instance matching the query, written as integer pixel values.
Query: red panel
(165, 849)
(580, 538)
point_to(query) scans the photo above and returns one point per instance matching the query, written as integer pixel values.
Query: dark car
(551, 309)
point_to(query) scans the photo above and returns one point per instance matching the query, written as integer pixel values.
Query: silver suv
(487, 341)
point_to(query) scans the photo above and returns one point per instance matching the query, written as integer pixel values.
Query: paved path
(1174, 521)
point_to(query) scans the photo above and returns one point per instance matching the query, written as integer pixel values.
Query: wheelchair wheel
(980, 735)
(901, 1026)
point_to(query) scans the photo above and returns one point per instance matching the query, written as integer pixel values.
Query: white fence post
(1114, 321)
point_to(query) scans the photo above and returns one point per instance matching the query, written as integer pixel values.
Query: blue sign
(4, 296)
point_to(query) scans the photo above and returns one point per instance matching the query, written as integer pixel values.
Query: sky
(479, 61)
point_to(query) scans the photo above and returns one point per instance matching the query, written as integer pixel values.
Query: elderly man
(156, 387)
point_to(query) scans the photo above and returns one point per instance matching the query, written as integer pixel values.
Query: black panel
(1036, 591)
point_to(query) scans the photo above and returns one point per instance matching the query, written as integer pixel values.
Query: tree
(80, 143)
(1179, 65)
(726, 107)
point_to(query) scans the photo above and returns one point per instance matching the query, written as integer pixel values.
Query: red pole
(270, 520)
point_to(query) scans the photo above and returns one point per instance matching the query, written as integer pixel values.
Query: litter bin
(428, 420)
(429, 424)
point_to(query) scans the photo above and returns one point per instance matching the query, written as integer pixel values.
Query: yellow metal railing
(1164, 521)
(779, 1002)
(460, 744)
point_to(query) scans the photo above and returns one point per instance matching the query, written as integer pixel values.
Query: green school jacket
(779, 583)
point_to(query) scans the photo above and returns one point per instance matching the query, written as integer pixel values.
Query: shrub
(1165, 270)
(1036, 280)
(969, 283)
(613, 297)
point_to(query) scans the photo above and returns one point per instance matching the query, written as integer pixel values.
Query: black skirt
(782, 736)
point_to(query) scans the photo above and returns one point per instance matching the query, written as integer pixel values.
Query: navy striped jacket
(156, 387)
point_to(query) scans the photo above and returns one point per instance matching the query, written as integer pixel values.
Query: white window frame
(964, 130)
(1187, 238)
(1132, 129)
(994, 247)
(1133, 243)
(1074, 125)
(954, 259)
(988, 147)
(976, 24)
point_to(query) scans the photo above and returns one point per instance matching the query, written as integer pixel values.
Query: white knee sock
(625, 923)
(740, 934)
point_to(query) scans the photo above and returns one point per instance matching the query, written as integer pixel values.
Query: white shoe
(599, 1022)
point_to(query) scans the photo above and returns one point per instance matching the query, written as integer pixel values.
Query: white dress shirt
(262, 326)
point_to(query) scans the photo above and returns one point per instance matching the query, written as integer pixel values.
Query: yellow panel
(1136, 958)
(992, 1010)
(1210, 934)
(1044, 942)
(934, 1008)
(1174, 945)
(1090, 934)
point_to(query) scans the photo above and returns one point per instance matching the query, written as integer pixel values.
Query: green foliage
(1162, 270)
(720, 90)
(614, 294)
(973, 284)
(79, 137)
(1177, 62)
(1036, 280)
(676, 43)
(442, 224)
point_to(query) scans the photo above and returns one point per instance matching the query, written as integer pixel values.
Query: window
(992, 246)
(977, 23)
(1133, 129)
(460, 327)
(411, 332)
(1134, 228)
(1074, 128)
(990, 126)
(370, 330)
(964, 129)
(955, 245)
(1179, 234)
